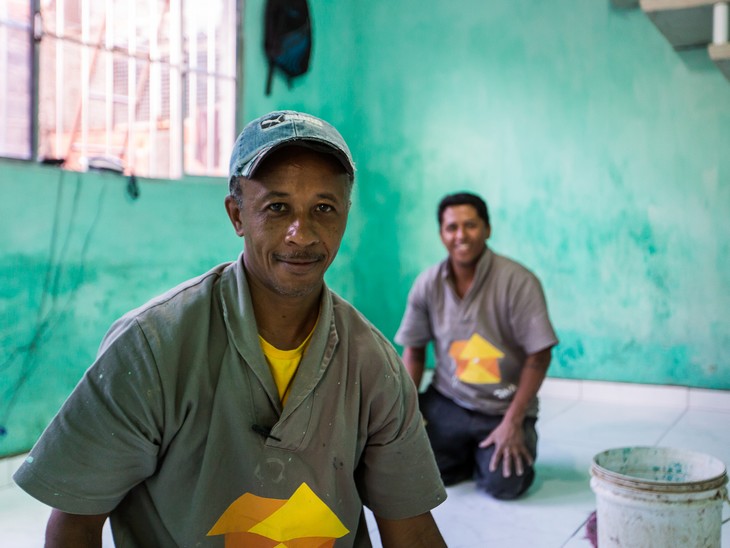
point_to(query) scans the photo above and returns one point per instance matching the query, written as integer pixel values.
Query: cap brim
(320, 146)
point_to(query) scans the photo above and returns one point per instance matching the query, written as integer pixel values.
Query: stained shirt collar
(243, 333)
(484, 264)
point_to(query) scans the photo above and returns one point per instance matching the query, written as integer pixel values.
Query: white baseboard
(636, 394)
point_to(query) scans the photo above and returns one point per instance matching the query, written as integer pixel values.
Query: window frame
(181, 168)
(7, 26)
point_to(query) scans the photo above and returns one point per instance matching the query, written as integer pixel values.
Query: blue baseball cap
(280, 128)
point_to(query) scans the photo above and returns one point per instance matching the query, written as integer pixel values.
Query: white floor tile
(601, 426)
(714, 400)
(703, 431)
(553, 407)
(5, 480)
(8, 466)
(23, 518)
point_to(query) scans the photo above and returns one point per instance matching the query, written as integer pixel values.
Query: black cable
(47, 278)
(48, 321)
(263, 431)
(132, 187)
(51, 287)
(64, 249)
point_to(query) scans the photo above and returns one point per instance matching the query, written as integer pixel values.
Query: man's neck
(462, 276)
(284, 322)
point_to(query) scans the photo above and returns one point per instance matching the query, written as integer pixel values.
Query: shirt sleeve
(415, 328)
(397, 476)
(106, 436)
(530, 321)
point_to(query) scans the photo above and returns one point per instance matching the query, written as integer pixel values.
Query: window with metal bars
(16, 60)
(148, 85)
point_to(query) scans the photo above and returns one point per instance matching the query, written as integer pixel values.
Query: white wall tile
(561, 388)
(635, 394)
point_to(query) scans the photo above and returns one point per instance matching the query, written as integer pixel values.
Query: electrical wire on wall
(50, 315)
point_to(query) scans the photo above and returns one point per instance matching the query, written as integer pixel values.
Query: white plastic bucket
(658, 497)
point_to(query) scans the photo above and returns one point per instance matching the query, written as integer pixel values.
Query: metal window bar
(88, 65)
(5, 64)
(34, 67)
(139, 55)
(154, 89)
(86, 69)
(192, 78)
(60, 79)
(176, 89)
(211, 95)
(143, 69)
(4, 69)
(16, 79)
(131, 85)
(109, 79)
(227, 122)
(137, 85)
(16, 84)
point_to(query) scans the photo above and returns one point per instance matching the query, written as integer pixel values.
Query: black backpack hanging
(287, 38)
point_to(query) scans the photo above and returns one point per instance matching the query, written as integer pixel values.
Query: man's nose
(302, 231)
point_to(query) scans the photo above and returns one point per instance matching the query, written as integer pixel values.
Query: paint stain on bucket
(658, 497)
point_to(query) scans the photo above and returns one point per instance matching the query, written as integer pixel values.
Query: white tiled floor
(578, 420)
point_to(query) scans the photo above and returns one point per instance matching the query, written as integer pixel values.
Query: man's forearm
(531, 379)
(415, 360)
(416, 532)
(74, 531)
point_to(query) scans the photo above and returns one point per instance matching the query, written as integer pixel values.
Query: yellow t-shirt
(283, 364)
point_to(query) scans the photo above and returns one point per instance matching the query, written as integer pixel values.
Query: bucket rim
(626, 480)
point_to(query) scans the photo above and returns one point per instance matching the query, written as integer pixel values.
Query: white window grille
(16, 60)
(146, 84)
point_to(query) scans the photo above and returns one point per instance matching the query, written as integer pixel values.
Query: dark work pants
(455, 434)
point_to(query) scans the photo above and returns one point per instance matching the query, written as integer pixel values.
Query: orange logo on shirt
(477, 360)
(303, 521)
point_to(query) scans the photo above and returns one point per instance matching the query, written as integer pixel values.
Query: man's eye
(277, 207)
(325, 208)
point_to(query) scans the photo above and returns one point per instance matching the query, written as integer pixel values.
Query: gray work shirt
(480, 341)
(160, 431)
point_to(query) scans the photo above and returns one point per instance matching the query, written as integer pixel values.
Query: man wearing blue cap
(250, 406)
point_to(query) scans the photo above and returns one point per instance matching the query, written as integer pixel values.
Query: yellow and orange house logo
(477, 360)
(303, 521)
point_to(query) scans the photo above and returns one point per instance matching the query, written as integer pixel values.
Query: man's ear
(234, 214)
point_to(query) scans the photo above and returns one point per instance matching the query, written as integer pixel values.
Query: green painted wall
(108, 254)
(602, 152)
